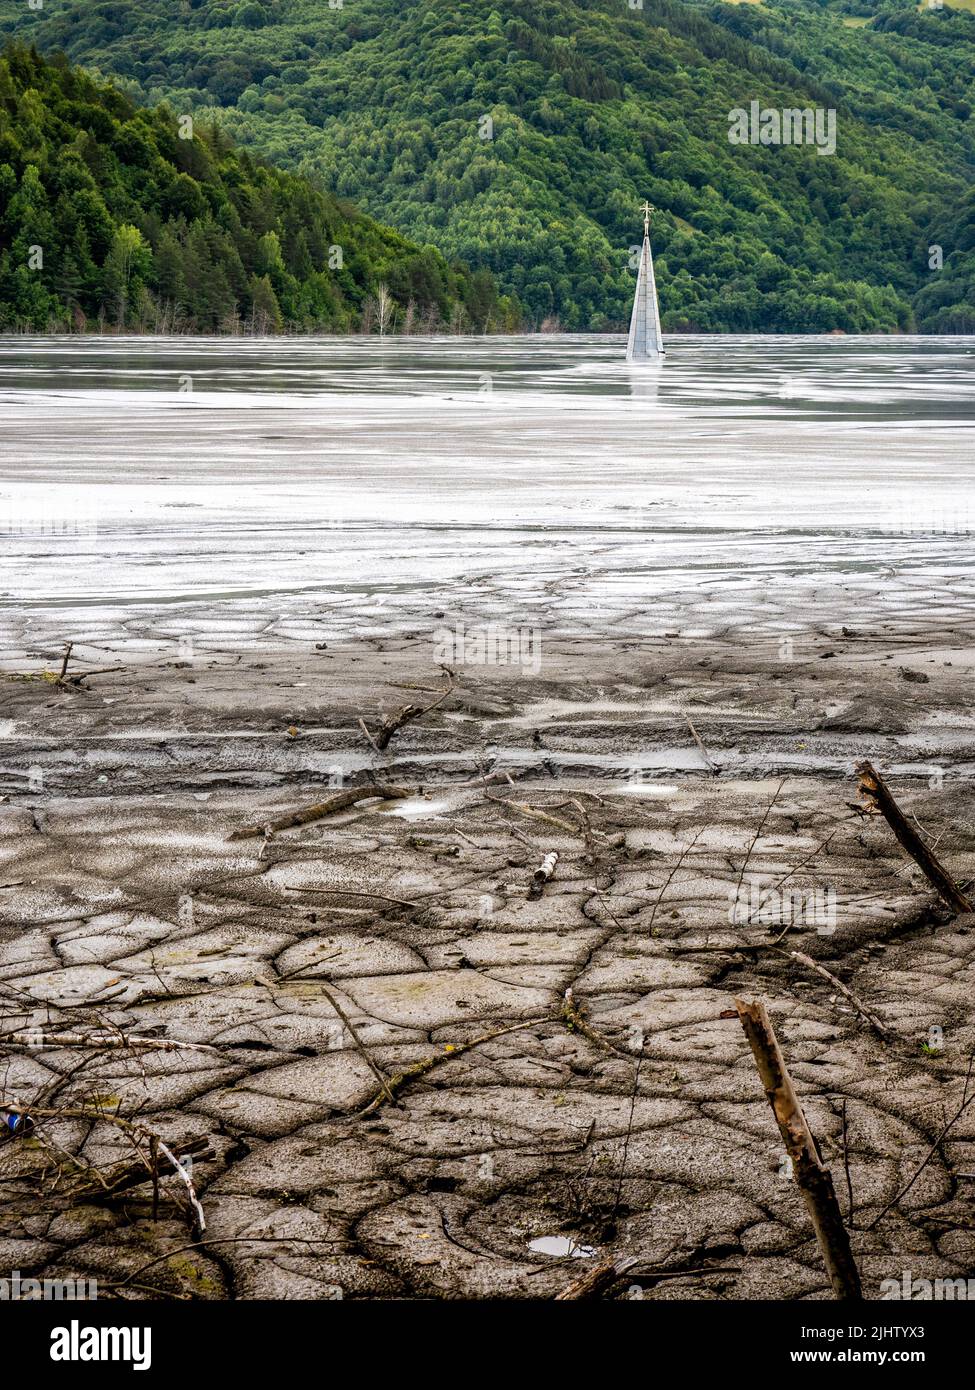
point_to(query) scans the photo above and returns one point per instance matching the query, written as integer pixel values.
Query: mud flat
(358, 1028)
(394, 933)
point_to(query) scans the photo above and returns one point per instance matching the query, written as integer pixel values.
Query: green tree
(128, 260)
(265, 310)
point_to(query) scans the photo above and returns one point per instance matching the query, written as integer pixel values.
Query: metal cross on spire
(647, 209)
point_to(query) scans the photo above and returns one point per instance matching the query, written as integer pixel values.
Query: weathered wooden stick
(406, 715)
(598, 1278)
(489, 778)
(813, 1178)
(574, 1018)
(33, 1038)
(375, 746)
(860, 1007)
(704, 752)
(877, 794)
(154, 1166)
(360, 1046)
(180, 1171)
(607, 1272)
(339, 802)
(67, 657)
(533, 811)
(83, 675)
(451, 1050)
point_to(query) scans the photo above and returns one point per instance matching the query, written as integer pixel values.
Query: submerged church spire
(645, 343)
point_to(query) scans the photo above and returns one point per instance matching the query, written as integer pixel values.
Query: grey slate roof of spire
(645, 342)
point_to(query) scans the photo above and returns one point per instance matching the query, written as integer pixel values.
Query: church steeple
(645, 343)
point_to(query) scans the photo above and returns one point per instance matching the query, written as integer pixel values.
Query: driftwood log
(341, 801)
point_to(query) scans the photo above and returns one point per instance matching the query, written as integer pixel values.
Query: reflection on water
(900, 375)
(561, 1246)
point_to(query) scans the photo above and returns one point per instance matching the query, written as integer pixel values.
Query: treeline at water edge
(115, 216)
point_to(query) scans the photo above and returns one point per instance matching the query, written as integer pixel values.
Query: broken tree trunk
(877, 794)
(813, 1178)
(341, 801)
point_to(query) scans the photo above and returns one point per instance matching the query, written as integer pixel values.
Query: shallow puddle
(561, 1246)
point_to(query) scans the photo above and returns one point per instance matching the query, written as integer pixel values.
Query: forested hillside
(122, 216)
(520, 135)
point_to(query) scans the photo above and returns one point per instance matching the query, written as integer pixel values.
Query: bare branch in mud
(745, 921)
(67, 657)
(490, 778)
(363, 726)
(535, 814)
(877, 795)
(451, 1050)
(813, 1178)
(670, 878)
(348, 893)
(181, 1172)
(406, 715)
(360, 1046)
(860, 1007)
(62, 680)
(128, 1281)
(341, 801)
(574, 1018)
(846, 1168)
(598, 1279)
(124, 1176)
(628, 1136)
(755, 839)
(83, 675)
(31, 1038)
(715, 769)
(135, 1131)
(602, 1276)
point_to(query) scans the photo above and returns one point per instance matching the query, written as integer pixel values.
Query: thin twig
(360, 1045)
